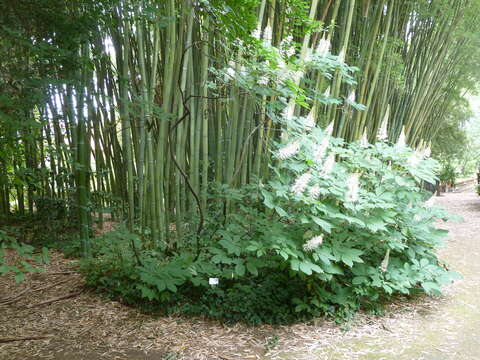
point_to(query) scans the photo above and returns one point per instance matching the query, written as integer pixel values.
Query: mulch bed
(52, 316)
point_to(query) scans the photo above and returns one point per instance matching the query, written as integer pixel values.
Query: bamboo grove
(122, 106)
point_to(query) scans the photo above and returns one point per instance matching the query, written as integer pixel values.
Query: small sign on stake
(213, 281)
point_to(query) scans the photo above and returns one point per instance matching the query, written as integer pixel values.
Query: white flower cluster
(321, 149)
(288, 48)
(353, 186)
(297, 76)
(385, 261)
(267, 34)
(301, 183)
(427, 152)
(308, 55)
(290, 51)
(263, 80)
(313, 243)
(328, 165)
(323, 47)
(289, 150)
(309, 122)
(351, 96)
(256, 33)
(402, 140)
(364, 141)
(314, 192)
(383, 131)
(413, 160)
(424, 151)
(230, 71)
(329, 129)
(287, 41)
(288, 111)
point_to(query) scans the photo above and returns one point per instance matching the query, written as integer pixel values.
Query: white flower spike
(263, 80)
(351, 96)
(402, 140)
(414, 159)
(385, 261)
(267, 34)
(309, 122)
(289, 111)
(383, 131)
(289, 150)
(314, 192)
(321, 149)
(328, 165)
(256, 33)
(353, 186)
(364, 141)
(329, 129)
(301, 183)
(323, 47)
(428, 152)
(313, 243)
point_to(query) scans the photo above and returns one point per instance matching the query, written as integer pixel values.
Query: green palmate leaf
(431, 288)
(147, 292)
(359, 280)
(283, 254)
(349, 256)
(295, 264)
(170, 284)
(230, 245)
(268, 199)
(280, 211)
(4, 269)
(375, 224)
(308, 268)
(240, 269)
(252, 268)
(333, 269)
(325, 225)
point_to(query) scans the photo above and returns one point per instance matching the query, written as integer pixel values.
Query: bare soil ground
(90, 327)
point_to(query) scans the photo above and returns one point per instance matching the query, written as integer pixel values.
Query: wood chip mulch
(52, 316)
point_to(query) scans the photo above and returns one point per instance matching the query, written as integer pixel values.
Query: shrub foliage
(339, 227)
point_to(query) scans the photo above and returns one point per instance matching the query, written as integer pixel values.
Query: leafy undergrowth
(339, 228)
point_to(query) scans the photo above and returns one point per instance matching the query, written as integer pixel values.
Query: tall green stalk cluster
(139, 105)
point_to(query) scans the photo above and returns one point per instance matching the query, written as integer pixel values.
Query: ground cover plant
(26, 259)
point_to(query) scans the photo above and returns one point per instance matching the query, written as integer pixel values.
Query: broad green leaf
(431, 288)
(357, 280)
(295, 264)
(240, 269)
(325, 225)
(251, 267)
(19, 277)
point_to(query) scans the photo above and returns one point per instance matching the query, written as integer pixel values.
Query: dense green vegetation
(259, 142)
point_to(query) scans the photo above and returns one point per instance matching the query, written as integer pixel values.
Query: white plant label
(213, 281)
